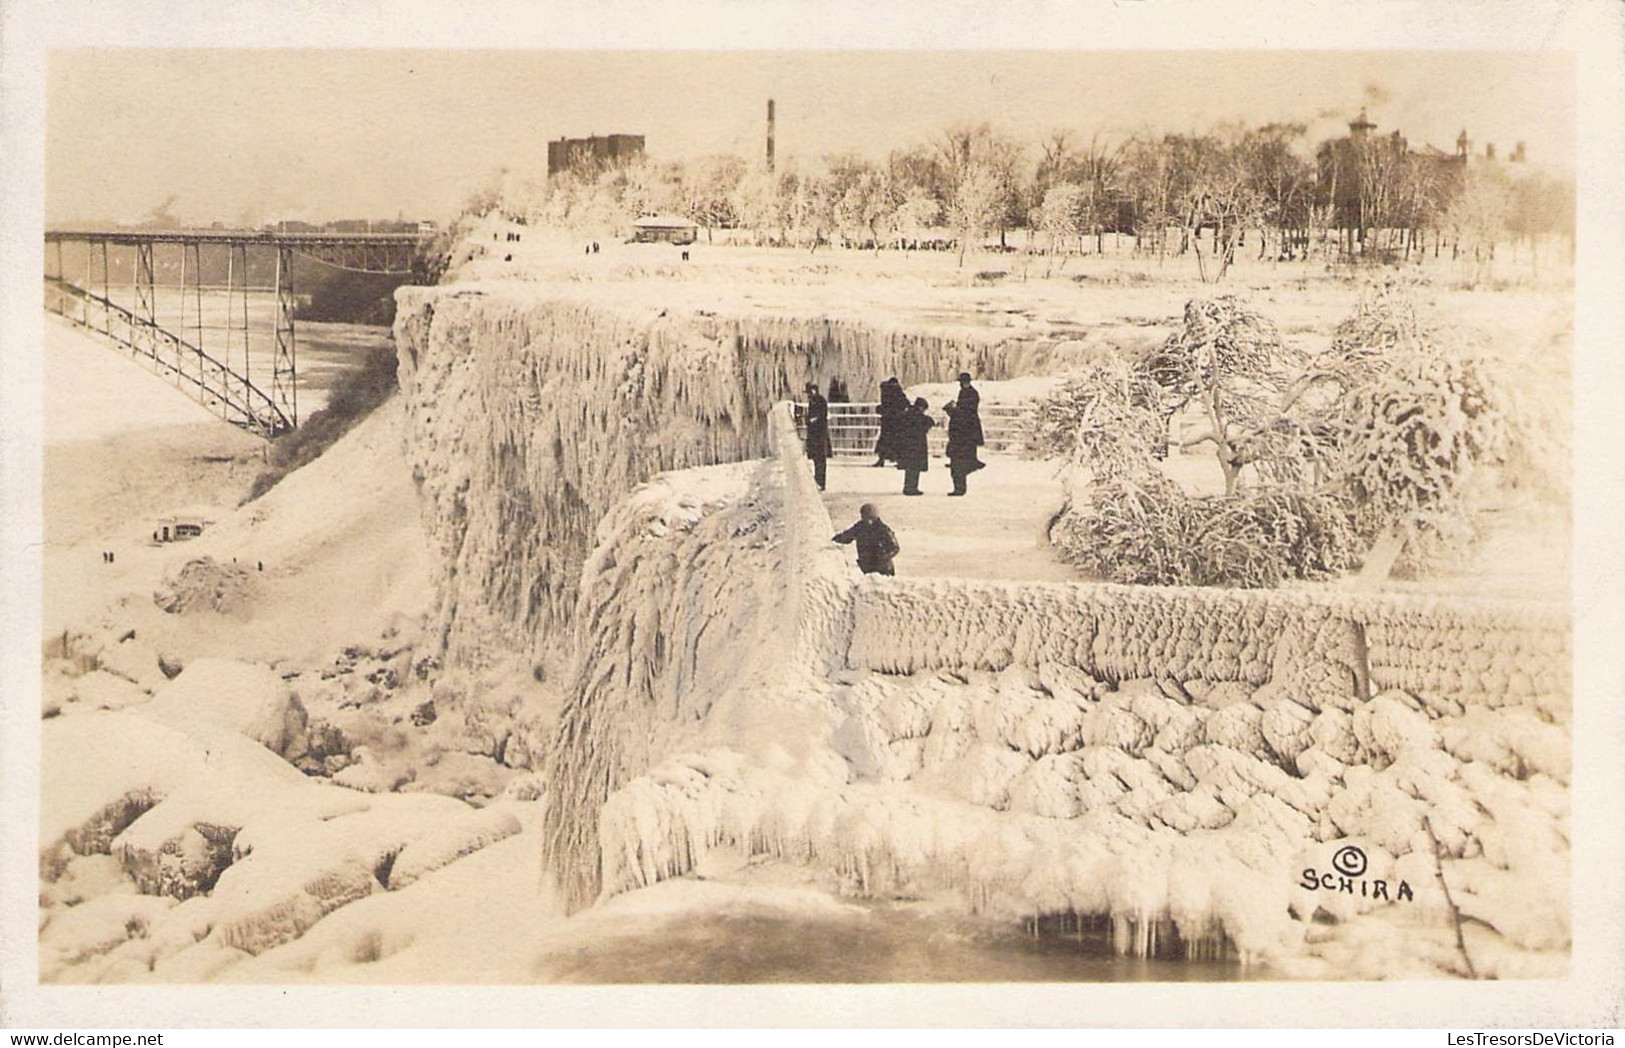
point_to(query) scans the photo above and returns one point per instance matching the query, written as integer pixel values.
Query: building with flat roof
(592, 152)
(664, 229)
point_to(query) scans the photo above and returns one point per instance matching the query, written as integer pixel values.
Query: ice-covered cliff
(529, 415)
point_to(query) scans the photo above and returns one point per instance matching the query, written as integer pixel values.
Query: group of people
(904, 430)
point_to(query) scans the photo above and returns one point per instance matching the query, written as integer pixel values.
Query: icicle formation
(674, 600)
(528, 418)
(704, 584)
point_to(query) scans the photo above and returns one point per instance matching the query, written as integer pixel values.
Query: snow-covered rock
(243, 697)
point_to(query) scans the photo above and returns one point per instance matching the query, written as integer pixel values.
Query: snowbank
(243, 697)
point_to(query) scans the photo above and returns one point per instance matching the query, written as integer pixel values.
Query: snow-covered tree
(975, 207)
(1062, 215)
(649, 188)
(707, 192)
(916, 216)
(1369, 449)
(1231, 361)
(1480, 215)
(762, 203)
(1108, 421)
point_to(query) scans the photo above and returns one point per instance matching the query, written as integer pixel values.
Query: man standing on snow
(876, 543)
(913, 448)
(962, 460)
(819, 448)
(970, 406)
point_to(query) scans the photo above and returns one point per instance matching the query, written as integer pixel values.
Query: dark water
(889, 944)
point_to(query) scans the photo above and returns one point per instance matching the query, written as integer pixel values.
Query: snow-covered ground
(1000, 530)
(260, 766)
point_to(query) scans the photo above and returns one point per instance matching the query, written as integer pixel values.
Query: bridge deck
(231, 236)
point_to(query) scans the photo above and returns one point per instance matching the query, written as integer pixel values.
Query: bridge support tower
(285, 363)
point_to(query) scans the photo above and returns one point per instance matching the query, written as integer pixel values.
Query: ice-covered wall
(529, 414)
(1456, 652)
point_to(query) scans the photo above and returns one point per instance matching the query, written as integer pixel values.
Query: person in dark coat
(876, 543)
(819, 448)
(913, 451)
(893, 405)
(962, 460)
(970, 403)
(837, 395)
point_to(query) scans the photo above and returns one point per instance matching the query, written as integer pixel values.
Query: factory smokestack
(770, 134)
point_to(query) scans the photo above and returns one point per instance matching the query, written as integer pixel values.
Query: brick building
(592, 152)
(1375, 180)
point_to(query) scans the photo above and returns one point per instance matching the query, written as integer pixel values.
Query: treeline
(1371, 197)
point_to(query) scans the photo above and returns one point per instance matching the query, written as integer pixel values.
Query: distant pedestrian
(685, 256)
(913, 451)
(110, 558)
(838, 393)
(261, 563)
(893, 405)
(962, 460)
(586, 249)
(819, 448)
(876, 543)
(970, 403)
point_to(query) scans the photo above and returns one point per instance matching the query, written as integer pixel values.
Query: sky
(248, 136)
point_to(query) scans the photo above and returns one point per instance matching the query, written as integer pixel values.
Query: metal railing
(855, 427)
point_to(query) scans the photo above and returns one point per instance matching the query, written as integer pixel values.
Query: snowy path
(998, 531)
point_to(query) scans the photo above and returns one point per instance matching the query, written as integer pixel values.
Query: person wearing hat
(970, 405)
(876, 543)
(913, 451)
(819, 448)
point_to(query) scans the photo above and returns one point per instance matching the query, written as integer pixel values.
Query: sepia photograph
(624, 517)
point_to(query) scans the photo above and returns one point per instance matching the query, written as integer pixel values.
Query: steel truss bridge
(211, 376)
